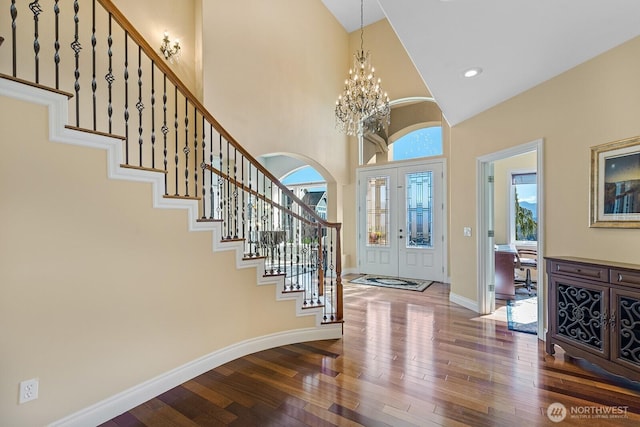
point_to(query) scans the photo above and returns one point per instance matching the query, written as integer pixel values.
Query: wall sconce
(170, 53)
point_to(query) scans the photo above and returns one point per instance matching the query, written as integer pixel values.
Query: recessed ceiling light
(472, 72)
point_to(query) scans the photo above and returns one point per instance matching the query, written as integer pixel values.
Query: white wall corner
(464, 302)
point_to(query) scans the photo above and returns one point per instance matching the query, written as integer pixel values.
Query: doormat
(522, 315)
(392, 282)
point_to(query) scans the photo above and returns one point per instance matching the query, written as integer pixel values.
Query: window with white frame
(523, 207)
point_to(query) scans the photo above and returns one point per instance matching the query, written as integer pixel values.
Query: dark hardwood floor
(406, 359)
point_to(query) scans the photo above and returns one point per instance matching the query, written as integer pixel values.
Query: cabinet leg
(550, 347)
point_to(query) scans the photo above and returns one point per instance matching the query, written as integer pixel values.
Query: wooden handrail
(171, 75)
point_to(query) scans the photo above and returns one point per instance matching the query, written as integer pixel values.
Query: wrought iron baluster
(332, 276)
(77, 47)
(165, 130)
(282, 262)
(243, 225)
(219, 189)
(228, 198)
(211, 190)
(306, 255)
(299, 265)
(265, 215)
(202, 166)
(153, 115)
(37, 10)
(14, 25)
(258, 216)
(56, 43)
(292, 272)
(94, 83)
(175, 124)
(186, 150)
(319, 284)
(140, 107)
(235, 192)
(251, 214)
(195, 151)
(109, 76)
(270, 219)
(126, 97)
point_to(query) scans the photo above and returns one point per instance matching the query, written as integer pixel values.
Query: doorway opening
(510, 227)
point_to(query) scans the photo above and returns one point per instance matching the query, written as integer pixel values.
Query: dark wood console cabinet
(594, 312)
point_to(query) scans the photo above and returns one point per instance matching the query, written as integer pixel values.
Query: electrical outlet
(28, 390)
(466, 231)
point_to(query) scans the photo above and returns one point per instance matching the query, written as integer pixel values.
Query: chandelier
(363, 107)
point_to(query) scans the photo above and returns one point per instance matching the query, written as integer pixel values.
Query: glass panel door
(378, 211)
(419, 206)
(420, 210)
(378, 242)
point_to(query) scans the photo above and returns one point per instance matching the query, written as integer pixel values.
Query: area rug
(522, 315)
(392, 282)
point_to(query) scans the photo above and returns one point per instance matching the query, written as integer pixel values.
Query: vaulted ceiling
(517, 44)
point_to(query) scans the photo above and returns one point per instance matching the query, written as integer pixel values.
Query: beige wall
(594, 103)
(502, 190)
(272, 72)
(99, 291)
(175, 17)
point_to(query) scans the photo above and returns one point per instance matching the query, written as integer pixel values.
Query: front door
(400, 220)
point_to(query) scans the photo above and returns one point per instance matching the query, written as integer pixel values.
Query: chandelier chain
(363, 107)
(362, 25)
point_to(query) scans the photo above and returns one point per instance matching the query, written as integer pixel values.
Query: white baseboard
(465, 302)
(115, 405)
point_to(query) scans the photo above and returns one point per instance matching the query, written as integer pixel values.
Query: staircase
(126, 100)
(160, 132)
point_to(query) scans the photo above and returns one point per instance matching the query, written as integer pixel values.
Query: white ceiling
(517, 43)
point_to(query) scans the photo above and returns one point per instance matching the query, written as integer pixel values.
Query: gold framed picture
(615, 184)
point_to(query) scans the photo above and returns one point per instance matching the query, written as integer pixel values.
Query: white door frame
(396, 165)
(485, 248)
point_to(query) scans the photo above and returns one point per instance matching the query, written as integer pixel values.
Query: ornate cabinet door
(581, 317)
(625, 306)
